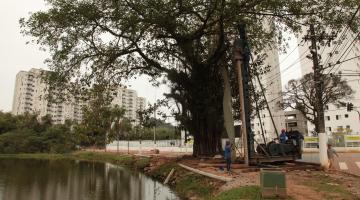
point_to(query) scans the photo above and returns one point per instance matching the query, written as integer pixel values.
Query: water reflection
(75, 180)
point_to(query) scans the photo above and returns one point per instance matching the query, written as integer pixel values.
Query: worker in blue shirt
(283, 136)
(227, 156)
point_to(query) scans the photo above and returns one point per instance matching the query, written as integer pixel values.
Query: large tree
(105, 41)
(300, 95)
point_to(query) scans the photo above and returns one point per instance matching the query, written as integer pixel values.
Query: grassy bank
(187, 184)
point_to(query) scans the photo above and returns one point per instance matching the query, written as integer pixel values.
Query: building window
(346, 116)
(348, 127)
(292, 124)
(328, 118)
(338, 117)
(328, 128)
(326, 107)
(293, 116)
(340, 128)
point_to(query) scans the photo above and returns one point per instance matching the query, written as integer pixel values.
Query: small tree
(97, 118)
(300, 94)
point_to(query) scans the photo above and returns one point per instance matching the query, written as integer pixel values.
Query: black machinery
(291, 148)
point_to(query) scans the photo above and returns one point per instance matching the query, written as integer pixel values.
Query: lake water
(28, 179)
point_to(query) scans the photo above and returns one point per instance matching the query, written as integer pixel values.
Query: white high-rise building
(271, 82)
(129, 100)
(30, 96)
(338, 117)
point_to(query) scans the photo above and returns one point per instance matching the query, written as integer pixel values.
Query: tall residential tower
(30, 96)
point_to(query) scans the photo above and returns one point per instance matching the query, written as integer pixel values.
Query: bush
(59, 139)
(56, 139)
(24, 141)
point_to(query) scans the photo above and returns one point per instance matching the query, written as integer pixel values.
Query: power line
(342, 35)
(290, 53)
(331, 52)
(278, 75)
(352, 42)
(338, 62)
(334, 49)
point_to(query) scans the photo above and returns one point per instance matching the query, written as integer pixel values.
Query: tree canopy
(105, 42)
(300, 94)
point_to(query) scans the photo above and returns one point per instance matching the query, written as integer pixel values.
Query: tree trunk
(207, 137)
(205, 106)
(200, 94)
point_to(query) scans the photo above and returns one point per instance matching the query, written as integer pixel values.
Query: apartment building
(338, 117)
(295, 121)
(271, 82)
(129, 99)
(30, 96)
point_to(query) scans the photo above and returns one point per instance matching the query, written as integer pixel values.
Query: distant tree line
(28, 134)
(101, 125)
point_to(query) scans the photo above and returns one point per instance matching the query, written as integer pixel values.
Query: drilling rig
(265, 152)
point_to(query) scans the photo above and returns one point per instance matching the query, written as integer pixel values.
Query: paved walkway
(348, 162)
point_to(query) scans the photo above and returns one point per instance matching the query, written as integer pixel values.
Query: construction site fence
(337, 141)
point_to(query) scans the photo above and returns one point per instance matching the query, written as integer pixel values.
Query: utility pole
(242, 58)
(319, 88)
(318, 81)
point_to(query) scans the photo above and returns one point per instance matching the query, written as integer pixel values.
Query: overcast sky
(15, 55)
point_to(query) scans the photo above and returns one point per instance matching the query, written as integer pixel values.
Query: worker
(330, 153)
(283, 136)
(227, 156)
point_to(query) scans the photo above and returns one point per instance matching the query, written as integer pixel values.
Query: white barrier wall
(147, 145)
(162, 145)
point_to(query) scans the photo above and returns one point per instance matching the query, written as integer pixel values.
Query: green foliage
(56, 139)
(96, 126)
(194, 184)
(7, 122)
(27, 134)
(59, 139)
(186, 40)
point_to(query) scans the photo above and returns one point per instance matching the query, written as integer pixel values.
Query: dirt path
(305, 183)
(297, 190)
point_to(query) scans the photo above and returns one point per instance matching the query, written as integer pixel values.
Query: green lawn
(247, 192)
